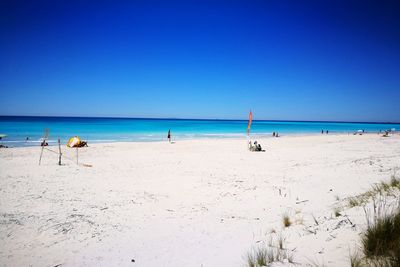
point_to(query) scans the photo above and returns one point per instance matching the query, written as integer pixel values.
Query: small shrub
(337, 212)
(286, 220)
(261, 257)
(353, 202)
(394, 182)
(382, 239)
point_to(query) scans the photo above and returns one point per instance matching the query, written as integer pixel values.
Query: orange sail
(250, 120)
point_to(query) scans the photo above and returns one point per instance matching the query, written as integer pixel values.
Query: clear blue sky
(299, 60)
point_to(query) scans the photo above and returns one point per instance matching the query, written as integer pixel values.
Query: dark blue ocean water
(18, 129)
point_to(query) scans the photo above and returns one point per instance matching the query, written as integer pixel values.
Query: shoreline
(267, 136)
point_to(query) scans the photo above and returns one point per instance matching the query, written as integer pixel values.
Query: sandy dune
(192, 203)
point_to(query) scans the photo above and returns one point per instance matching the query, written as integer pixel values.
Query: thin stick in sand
(45, 136)
(59, 150)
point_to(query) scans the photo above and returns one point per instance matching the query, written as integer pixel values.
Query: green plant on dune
(382, 188)
(381, 240)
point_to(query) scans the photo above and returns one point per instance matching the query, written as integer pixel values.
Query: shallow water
(18, 129)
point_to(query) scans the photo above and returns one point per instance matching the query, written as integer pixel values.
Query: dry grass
(356, 260)
(286, 220)
(336, 211)
(381, 240)
(382, 188)
(275, 251)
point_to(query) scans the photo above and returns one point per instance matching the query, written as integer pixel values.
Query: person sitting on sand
(250, 146)
(44, 143)
(83, 143)
(256, 147)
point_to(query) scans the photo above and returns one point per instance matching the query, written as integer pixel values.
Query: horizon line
(199, 119)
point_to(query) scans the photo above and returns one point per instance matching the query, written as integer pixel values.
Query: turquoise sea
(94, 130)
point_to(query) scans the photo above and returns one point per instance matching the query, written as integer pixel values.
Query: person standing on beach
(322, 131)
(169, 135)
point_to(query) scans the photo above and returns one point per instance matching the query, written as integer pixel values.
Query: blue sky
(293, 60)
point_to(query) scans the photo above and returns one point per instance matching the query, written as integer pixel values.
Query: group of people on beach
(255, 147)
(322, 131)
(275, 134)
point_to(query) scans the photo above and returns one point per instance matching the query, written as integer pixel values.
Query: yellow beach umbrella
(74, 141)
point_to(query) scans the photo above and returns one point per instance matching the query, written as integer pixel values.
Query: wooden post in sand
(59, 152)
(41, 153)
(45, 136)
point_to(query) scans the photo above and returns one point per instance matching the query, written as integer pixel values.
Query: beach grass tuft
(286, 220)
(336, 211)
(395, 182)
(353, 202)
(382, 188)
(261, 256)
(251, 262)
(381, 240)
(356, 260)
(264, 255)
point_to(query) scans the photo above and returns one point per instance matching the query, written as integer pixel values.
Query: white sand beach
(192, 203)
